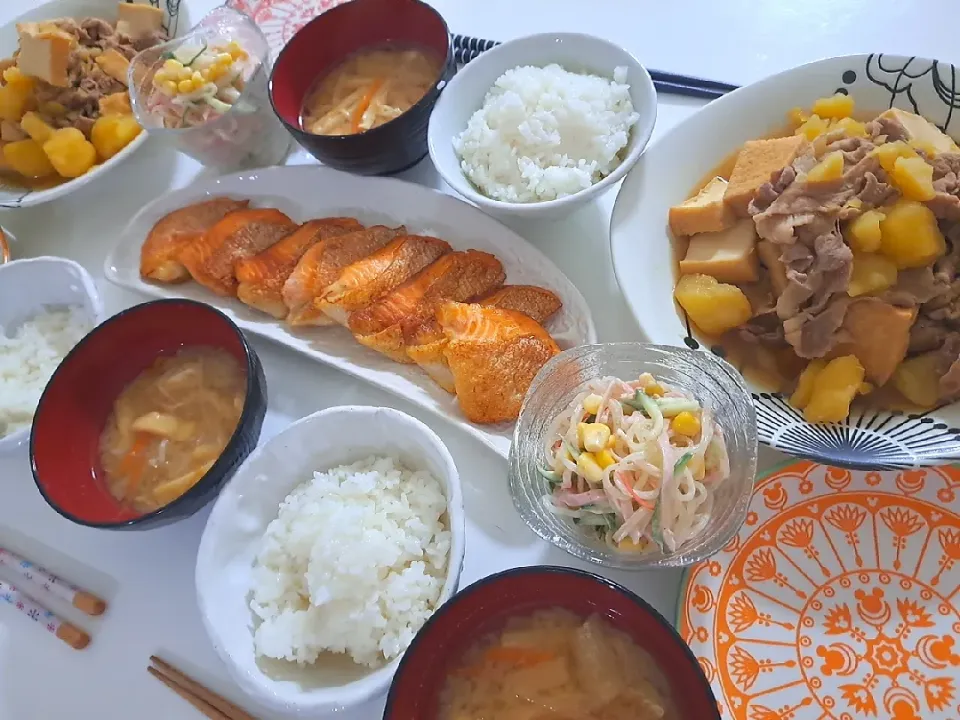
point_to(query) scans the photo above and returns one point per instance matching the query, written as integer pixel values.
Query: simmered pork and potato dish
(824, 260)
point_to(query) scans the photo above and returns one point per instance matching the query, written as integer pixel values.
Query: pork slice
(947, 183)
(914, 287)
(927, 335)
(854, 149)
(945, 206)
(886, 129)
(875, 193)
(764, 328)
(945, 164)
(813, 336)
(945, 307)
(948, 368)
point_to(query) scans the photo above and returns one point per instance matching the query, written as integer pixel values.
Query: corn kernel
(225, 58)
(686, 423)
(654, 390)
(169, 87)
(588, 468)
(185, 86)
(697, 467)
(197, 77)
(604, 459)
(591, 403)
(184, 73)
(612, 442)
(593, 436)
(172, 64)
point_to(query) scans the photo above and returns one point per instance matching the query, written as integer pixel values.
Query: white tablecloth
(148, 576)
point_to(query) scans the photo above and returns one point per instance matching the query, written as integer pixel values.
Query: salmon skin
(322, 264)
(390, 323)
(239, 235)
(493, 355)
(160, 253)
(261, 278)
(366, 280)
(428, 342)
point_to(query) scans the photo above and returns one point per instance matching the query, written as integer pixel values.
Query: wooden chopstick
(206, 701)
(672, 88)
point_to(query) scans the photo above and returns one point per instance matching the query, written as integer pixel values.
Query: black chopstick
(466, 48)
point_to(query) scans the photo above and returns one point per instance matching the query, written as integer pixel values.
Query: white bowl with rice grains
(538, 126)
(332, 545)
(47, 305)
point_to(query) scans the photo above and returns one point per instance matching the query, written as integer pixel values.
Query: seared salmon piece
(428, 342)
(322, 264)
(369, 279)
(390, 323)
(241, 234)
(159, 255)
(261, 278)
(493, 355)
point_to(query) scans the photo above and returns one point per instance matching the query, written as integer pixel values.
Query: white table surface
(147, 577)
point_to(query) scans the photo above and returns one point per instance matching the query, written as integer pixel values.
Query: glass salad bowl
(206, 94)
(712, 381)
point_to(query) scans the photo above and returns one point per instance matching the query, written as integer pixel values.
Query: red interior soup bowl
(329, 39)
(485, 607)
(78, 400)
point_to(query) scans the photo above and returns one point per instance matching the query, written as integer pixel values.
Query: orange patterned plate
(838, 599)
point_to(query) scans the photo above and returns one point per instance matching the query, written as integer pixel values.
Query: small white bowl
(29, 286)
(250, 502)
(572, 51)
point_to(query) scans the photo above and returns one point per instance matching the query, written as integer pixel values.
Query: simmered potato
(713, 307)
(834, 108)
(830, 168)
(834, 388)
(851, 127)
(801, 396)
(28, 158)
(112, 133)
(888, 153)
(70, 152)
(813, 127)
(916, 379)
(910, 236)
(872, 273)
(863, 233)
(913, 177)
(36, 127)
(14, 101)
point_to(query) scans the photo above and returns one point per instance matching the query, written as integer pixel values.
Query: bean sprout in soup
(554, 664)
(169, 426)
(371, 87)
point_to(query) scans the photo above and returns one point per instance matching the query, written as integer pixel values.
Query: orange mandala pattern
(840, 599)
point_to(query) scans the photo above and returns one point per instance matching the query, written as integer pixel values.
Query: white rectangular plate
(312, 191)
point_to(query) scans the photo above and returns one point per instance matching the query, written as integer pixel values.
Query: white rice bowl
(245, 524)
(546, 133)
(354, 564)
(29, 354)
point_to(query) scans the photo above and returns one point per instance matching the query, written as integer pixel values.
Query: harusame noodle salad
(636, 462)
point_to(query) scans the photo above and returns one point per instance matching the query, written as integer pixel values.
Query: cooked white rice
(544, 133)
(354, 563)
(28, 357)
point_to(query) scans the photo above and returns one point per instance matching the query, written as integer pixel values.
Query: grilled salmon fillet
(322, 264)
(390, 323)
(159, 255)
(261, 278)
(494, 355)
(367, 280)
(239, 235)
(428, 342)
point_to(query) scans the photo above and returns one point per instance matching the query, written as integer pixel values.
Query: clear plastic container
(713, 381)
(248, 134)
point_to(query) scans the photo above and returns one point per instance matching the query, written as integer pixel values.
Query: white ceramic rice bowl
(575, 52)
(32, 285)
(249, 503)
